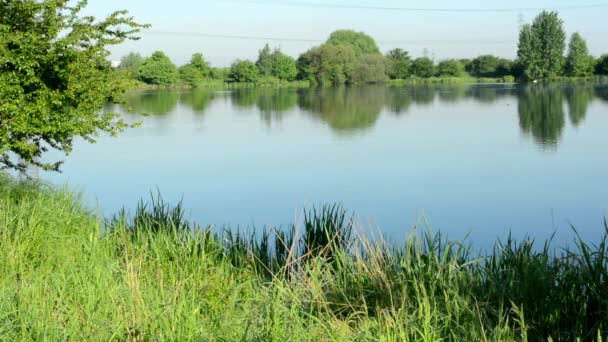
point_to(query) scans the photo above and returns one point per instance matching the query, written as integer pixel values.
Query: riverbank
(65, 274)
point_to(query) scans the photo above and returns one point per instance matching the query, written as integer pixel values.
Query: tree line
(349, 57)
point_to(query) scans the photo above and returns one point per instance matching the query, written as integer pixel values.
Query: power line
(307, 40)
(417, 9)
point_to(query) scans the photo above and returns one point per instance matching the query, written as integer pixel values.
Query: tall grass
(152, 275)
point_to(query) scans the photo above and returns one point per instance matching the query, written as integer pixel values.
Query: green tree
(158, 70)
(399, 64)
(489, 66)
(541, 47)
(243, 71)
(327, 64)
(283, 66)
(369, 69)
(199, 63)
(196, 71)
(131, 63)
(423, 67)
(55, 78)
(579, 63)
(450, 67)
(601, 66)
(361, 43)
(265, 61)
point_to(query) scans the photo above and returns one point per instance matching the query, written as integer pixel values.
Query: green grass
(67, 275)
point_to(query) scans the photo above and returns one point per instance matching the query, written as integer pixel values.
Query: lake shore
(66, 274)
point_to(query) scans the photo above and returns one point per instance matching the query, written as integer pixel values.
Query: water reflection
(541, 108)
(541, 113)
(345, 109)
(197, 100)
(578, 99)
(152, 103)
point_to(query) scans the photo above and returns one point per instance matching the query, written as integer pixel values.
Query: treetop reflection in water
(541, 108)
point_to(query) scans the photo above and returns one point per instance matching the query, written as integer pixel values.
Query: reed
(153, 275)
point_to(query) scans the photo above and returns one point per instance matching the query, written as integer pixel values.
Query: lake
(482, 160)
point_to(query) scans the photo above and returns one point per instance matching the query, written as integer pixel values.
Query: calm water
(480, 160)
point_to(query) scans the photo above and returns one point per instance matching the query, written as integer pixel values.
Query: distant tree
(131, 63)
(369, 69)
(158, 70)
(327, 64)
(423, 67)
(541, 46)
(450, 67)
(219, 73)
(265, 61)
(361, 43)
(489, 66)
(199, 63)
(579, 63)
(601, 67)
(196, 71)
(399, 64)
(283, 66)
(243, 71)
(55, 78)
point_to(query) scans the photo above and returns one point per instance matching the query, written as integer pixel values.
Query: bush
(243, 71)
(158, 70)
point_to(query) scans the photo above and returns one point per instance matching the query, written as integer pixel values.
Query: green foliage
(450, 68)
(489, 66)
(55, 78)
(199, 63)
(423, 67)
(243, 71)
(284, 67)
(361, 43)
(265, 61)
(219, 73)
(579, 63)
(601, 66)
(327, 64)
(369, 69)
(158, 70)
(541, 47)
(194, 73)
(131, 63)
(399, 64)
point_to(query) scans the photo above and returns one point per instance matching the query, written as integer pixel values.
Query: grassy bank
(65, 274)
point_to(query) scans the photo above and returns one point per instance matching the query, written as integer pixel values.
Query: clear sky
(224, 30)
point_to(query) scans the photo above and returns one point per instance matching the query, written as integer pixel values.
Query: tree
(399, 64)
(450, 67)
(327, 64)
(579, 63)
(423, 67)
(283, 66)
(158, 70)
(369, 69)
(265, 61)
(541, 47)
(199, 63)
(131, 63)
(243, 71)
(196, 71)
(489, 66)
(361, 43)
(601, 67)
(55, 78)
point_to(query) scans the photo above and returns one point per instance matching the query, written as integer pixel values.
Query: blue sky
(442, 34)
